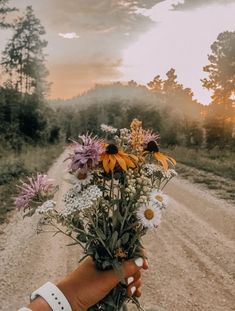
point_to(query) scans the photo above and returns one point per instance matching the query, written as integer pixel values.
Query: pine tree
(23, 58)
(4, 10)
(220, 120)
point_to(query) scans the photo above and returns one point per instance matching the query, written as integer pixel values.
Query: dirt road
(192, 255)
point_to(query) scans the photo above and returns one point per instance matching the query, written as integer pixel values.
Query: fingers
(134, 288)
(133, 278)
(131, 267)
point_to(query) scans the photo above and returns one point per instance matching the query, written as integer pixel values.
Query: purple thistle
(36, 190)
(86, 154)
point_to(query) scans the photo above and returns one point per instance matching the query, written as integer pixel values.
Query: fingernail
(133, 289)
(139, 262)
(130, 280)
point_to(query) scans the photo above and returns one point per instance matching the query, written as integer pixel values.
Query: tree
(220, 120)
(23, 58)
(170, 84)
(221, 70)
(4, 10)
(156, 85)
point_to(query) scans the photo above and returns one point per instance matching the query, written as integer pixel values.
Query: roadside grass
(15, 165)
(218, 162)
(213, 169)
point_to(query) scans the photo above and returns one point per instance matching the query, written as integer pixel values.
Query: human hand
(87, 285)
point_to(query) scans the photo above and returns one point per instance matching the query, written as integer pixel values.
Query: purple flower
(86, 154)
(37, 190)
(149, 135)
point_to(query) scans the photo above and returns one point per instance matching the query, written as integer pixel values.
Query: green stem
(61, 231)
(100, 238)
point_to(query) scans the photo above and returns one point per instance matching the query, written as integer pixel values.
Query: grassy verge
(212, 169)
(218, 162)
(17, 165)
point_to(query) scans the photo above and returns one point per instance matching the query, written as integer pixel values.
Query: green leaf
(100, 233)
(114, 239)
(82, 237)
(125, 238)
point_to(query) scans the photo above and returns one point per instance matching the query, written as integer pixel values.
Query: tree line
(165, 105)
(24, 115)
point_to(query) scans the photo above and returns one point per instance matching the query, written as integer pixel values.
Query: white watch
(53, 296)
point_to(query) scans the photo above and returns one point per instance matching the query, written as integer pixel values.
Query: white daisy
(75, 180)
(84, 179)
(157, 197)
(149, 216)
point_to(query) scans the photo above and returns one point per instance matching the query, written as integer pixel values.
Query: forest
(33, 127)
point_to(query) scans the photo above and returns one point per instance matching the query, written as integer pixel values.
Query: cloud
(193, 4)
(105, 28)
(69, 35)
(73, 78)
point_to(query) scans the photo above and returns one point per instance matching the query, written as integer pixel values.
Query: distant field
(14, 166)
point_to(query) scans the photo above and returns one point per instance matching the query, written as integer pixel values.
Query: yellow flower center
(148, 214)
(159, 198)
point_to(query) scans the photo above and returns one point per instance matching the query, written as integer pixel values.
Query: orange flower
(137, 135)
(114, 156)
(160, 157)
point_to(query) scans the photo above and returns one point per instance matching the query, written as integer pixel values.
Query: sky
(101, 41)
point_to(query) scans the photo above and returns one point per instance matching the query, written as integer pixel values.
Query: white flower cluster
(151, 168)
(123, 139)
(138, 183)
(108, 129)
(92, 193)
(154, 169)
(75, 200)
(171, 172)
(46, 207)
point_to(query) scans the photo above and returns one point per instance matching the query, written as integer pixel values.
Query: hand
(86, 286)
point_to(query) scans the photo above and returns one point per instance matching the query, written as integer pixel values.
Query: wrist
(71, 292)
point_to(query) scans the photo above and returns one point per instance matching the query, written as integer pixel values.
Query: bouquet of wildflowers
(115, 198)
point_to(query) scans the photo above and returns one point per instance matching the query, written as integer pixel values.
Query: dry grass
(218, 162)
(15, 165)
(213, 169)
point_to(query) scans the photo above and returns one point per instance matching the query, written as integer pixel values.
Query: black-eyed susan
(165, 160)
(114, 156)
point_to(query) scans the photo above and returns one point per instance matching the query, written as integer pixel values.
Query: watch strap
(53, 296)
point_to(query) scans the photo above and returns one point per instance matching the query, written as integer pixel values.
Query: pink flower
(86, 154)
(149, 135)
(36, 190)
